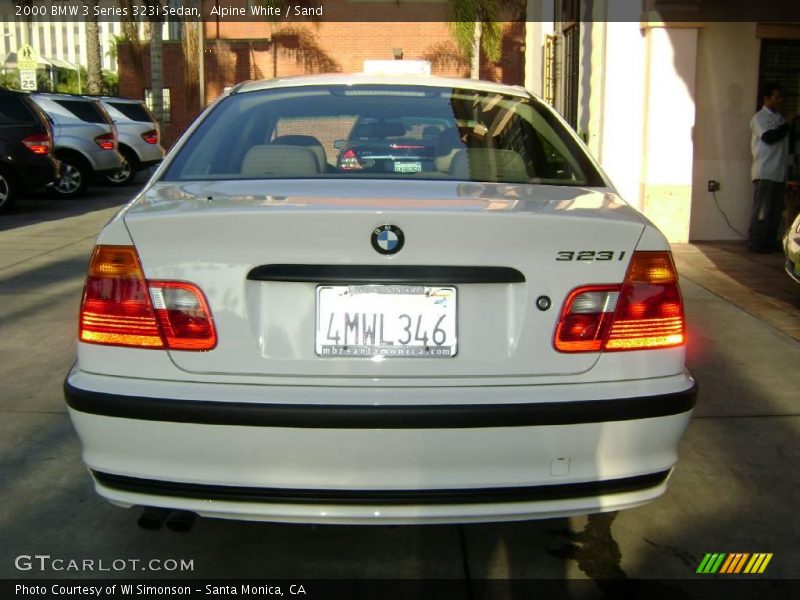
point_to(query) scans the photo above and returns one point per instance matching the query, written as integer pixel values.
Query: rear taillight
(121, 308)
(38, 144)
(349, 161)
(107, 141)
(183, 315)
(116, 307)
(650, 311)
(151, 137)
(586, 319)
(646, 311)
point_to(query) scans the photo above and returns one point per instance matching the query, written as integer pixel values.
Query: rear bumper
(105, 162)
(383, 507)
(149, 154)
(359, 463)
(325, 416)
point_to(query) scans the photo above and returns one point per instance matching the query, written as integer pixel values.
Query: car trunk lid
(271, 256)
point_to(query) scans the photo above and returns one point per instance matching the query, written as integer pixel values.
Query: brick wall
(238, 51)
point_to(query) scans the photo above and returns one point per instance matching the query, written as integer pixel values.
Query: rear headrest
(280, 161)
(305, 141)
(483, 164)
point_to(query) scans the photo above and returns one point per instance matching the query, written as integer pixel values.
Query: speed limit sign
(27, 80)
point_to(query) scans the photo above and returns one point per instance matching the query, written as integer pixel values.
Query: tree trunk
(190, 44)
(475, 56)
(157, 70)
(94, 60)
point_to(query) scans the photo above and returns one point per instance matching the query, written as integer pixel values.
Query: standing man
(770, 147)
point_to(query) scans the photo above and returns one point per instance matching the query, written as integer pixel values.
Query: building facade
(664, 103)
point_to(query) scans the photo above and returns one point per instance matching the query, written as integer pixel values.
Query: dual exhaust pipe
(180, 521)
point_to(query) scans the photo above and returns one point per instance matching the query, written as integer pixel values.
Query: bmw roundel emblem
(387, 239)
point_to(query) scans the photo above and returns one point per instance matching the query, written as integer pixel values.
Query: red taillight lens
(151, 137)
(121, 308)
(349, 161)
(116, 307)
(586, 319)
(107, 141)
(645, 312)
(183, 315)
(650, 312)
(38, 144)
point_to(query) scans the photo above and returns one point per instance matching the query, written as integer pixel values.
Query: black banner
(293, 11)
(706, 588)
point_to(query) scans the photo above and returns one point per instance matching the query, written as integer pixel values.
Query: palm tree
(156, 62)
(191, 31)
(475, 25)
(94, 67)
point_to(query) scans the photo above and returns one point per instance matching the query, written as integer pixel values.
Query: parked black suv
(26, 147)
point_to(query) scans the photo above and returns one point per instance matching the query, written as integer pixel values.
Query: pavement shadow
(43, 207)
(761, 273)
(731, 490)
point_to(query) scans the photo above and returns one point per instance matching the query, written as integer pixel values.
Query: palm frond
(463, 16)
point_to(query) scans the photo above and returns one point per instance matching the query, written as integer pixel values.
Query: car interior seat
(305, 141)
(487, 164)
(280, 160)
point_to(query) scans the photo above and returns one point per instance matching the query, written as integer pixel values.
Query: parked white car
(84, 140)
(139, 139)
(455, 319)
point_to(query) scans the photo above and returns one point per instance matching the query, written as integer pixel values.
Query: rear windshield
(13, 110)
(369, 131)
(84, 110)
(135, 112)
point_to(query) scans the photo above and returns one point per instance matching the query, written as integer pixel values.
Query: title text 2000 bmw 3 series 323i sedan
(353, 299)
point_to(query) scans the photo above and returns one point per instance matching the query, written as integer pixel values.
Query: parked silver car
(139, 137)
(84, 139)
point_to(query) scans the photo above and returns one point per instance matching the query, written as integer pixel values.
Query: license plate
(409, 321)
(408, 167)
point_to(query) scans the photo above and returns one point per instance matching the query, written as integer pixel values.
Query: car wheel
(127, 173)
(8, 189)
(74, 178)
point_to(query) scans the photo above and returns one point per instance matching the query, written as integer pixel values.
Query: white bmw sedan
(364, 299)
